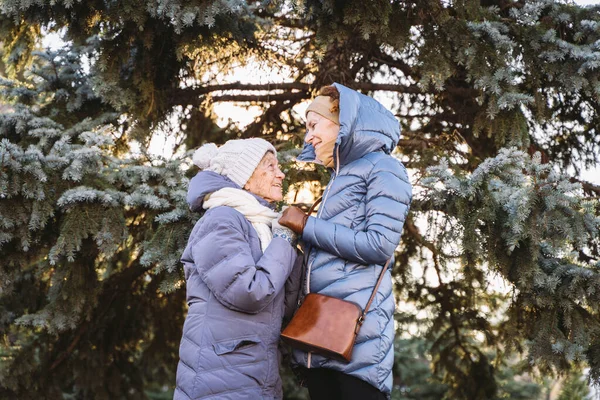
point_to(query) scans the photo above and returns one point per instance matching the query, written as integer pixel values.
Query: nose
(309, 136)
(279, 173)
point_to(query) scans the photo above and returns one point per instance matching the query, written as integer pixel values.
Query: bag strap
(361, 319)
(308, 248)
(316, 203)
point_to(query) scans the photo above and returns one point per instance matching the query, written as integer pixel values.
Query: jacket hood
(207, 182)
(365, 126)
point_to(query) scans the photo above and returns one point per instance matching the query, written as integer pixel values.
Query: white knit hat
(236, 159)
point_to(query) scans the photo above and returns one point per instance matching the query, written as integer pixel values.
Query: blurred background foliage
(496, 277)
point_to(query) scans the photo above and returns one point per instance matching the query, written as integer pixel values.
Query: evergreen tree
(498, 102)
(575, 387)
(89, 245)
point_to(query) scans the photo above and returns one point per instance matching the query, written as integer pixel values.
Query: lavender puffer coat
(236, 298)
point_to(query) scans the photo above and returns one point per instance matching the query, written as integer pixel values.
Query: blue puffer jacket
(235, 293)
(356, 231)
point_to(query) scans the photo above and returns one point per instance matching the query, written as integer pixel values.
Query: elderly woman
(355, 232)
(236, 263)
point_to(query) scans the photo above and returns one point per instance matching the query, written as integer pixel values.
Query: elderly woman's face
(321, 132)
(267, 179)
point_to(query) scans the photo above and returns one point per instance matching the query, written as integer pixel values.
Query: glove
(294, 218)
(283, 232)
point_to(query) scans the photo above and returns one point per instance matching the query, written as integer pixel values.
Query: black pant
(327, 384)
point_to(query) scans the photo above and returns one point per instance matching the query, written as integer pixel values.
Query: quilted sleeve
(225, 263)
(388, 199)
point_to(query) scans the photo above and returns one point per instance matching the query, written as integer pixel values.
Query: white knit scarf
(259, 216)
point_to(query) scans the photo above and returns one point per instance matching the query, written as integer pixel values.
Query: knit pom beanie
(236, 159)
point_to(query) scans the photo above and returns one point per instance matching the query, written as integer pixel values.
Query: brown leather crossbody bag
(327, 325)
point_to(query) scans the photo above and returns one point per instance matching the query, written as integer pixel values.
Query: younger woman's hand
(294, 218)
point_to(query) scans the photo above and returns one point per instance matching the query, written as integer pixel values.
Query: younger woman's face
(267, 179)
(321, 133)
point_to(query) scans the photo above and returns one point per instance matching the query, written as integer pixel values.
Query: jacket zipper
(321, 208)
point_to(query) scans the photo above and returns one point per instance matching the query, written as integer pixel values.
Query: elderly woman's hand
(283, 232)
(294, 218)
